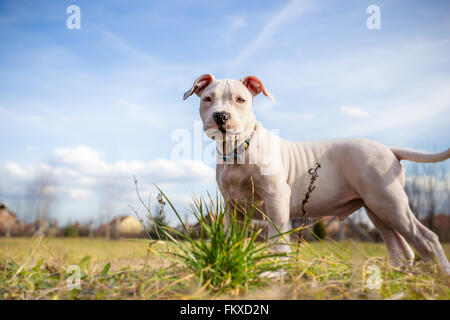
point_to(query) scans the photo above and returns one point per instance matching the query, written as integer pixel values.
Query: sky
(91, 107)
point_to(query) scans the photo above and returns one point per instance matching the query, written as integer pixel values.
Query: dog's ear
(201, 83)
(255, 86)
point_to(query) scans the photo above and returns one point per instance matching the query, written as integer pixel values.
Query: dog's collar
(237, 153)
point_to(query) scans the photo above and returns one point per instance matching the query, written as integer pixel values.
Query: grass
(322, 270)
(224, 262)
(225, 257)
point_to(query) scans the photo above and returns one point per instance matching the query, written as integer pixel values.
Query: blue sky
(95, 106)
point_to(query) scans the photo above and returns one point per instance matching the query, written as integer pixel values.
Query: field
(126, 269)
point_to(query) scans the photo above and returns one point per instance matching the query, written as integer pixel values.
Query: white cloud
(79, 193)
(354, 112)
(15, 170)
(80, 172)
(427, 182)
(81, 159)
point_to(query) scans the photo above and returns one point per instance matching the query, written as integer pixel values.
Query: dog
(256, 166)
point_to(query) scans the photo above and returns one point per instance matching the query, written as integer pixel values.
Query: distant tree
(70, 231)
(108, 193)
(319, 229)
(414, 190)
(41, 197)
(428, 191)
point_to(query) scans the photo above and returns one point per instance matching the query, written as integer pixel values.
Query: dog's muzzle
(221, 117)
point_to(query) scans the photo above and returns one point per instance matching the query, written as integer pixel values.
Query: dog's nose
(221, 117)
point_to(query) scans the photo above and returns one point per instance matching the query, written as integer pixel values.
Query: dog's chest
(234, 183)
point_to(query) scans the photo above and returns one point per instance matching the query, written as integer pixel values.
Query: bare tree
(446, 189)
(41, 197)
(91, 228)
(108, 193)
(414, 190)
(428, 191)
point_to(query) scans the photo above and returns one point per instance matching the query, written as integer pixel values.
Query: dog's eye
(240, 100)
(207, 99)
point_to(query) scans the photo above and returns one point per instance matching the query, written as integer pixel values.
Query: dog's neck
(228, 146)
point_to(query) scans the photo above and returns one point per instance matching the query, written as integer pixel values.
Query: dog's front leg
(277, 210)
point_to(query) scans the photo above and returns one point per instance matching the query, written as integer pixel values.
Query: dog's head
(226, 105)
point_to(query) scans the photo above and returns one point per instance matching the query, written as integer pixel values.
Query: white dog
(354, 173)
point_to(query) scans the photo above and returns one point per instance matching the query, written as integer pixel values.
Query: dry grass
(322, 270)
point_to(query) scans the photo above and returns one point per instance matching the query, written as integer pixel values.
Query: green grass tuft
(226, 256)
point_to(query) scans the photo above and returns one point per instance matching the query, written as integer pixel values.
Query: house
(122, 226)
(7, 220)
(441, 226)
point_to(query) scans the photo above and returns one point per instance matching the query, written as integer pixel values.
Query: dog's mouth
(222, 133)
(226, 130)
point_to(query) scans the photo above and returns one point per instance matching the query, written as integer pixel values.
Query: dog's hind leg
(400, 252)
(390, 205)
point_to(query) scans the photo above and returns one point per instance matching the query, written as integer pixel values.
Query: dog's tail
(403, 154)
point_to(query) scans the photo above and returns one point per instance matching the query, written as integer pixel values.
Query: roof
(119, 219)
(441, 220)
(4, 206)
